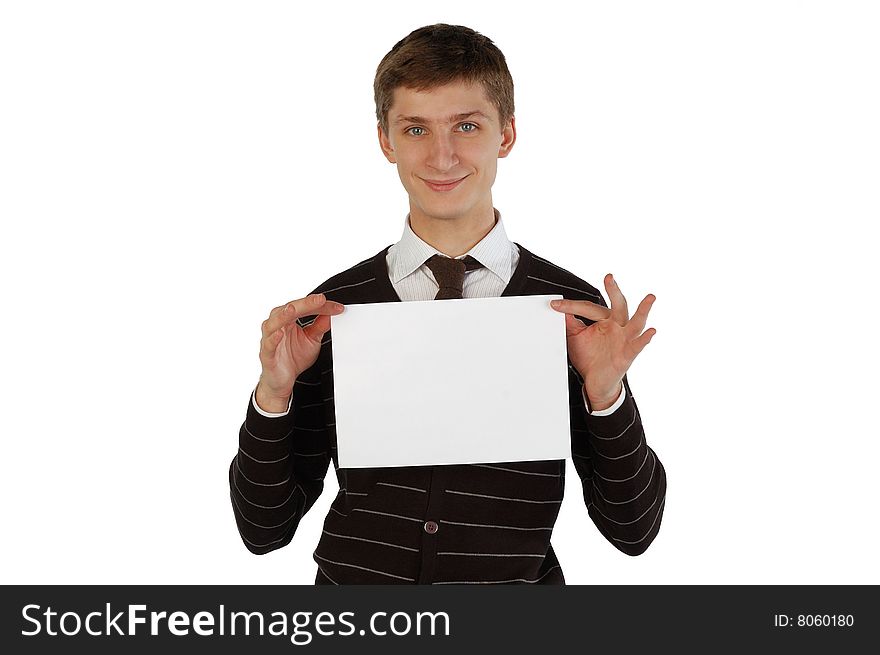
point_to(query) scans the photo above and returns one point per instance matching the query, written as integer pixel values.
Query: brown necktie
(449, 274)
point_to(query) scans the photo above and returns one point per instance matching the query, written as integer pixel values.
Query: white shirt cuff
(610, 410)
(269, 414)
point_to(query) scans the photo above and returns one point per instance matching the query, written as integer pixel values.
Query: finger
(583, 308)
(269, 344)
(619, 309)
(280, 308)
(288, 305)
(315, 303)
(639, 344)
(637, 322)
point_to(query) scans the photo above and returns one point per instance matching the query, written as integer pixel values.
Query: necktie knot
(449, 274)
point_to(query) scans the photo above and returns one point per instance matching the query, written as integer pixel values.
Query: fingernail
(555, 304)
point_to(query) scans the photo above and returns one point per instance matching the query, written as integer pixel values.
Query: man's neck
(453, 237)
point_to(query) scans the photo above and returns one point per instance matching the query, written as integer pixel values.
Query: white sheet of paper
(456, 381)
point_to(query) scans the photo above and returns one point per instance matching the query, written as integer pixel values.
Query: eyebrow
(451, 119)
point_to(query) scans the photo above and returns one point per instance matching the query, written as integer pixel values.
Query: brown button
(431, 527)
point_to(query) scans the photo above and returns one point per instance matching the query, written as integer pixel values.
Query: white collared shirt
(412, 280)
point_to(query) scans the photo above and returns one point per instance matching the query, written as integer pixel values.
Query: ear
(385, 144)
(508, 138)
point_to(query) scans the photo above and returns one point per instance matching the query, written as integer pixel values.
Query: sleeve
(624, 482)
(599, 412)
(278, 472)
(272, 414)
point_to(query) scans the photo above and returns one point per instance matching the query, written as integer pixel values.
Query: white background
(171, 171)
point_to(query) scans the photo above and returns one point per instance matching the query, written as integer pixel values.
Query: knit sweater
(482, 523)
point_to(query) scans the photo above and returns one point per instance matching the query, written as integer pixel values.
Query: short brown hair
(436, 55)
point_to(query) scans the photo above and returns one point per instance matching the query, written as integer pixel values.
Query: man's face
(446, 143)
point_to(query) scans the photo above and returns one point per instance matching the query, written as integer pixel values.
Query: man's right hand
(286, 349)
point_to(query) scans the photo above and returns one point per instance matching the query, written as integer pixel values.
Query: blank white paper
(457, 381)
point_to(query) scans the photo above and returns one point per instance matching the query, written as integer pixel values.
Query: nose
(441, 152)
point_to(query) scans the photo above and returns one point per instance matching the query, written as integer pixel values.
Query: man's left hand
(603, 352)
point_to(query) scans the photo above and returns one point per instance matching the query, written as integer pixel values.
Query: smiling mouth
(442, 185)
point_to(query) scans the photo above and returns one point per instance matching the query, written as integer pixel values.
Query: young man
(444, 103)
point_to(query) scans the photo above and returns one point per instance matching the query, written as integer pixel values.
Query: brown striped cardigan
(453, 524)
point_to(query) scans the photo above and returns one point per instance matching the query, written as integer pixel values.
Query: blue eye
(412, 130)
(468, 127)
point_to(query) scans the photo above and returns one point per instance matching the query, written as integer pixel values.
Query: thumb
(319, 326)
(573, 325)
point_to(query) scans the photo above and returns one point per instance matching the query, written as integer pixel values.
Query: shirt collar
(494, 251)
